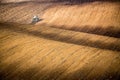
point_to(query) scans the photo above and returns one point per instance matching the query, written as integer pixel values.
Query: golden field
(98, 17)
(57, 48)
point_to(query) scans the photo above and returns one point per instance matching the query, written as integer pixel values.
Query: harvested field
(51, 50)
(50, 53)
(23, 12)
(98, 17)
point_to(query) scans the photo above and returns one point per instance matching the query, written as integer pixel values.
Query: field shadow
(109, 31)
(74, 2)
(68, 2)
(67, 38)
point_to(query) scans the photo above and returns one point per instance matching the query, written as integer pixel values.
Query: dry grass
(101, 16)
(91, 14)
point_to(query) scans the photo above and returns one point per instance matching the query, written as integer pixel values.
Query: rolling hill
(72, 42)
(98, 17)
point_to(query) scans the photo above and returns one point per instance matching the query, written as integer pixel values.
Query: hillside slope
(21, 12)
(97, 17)
(72, 42)
(46, 53)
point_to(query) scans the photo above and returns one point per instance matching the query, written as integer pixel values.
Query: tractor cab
(35, 19)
